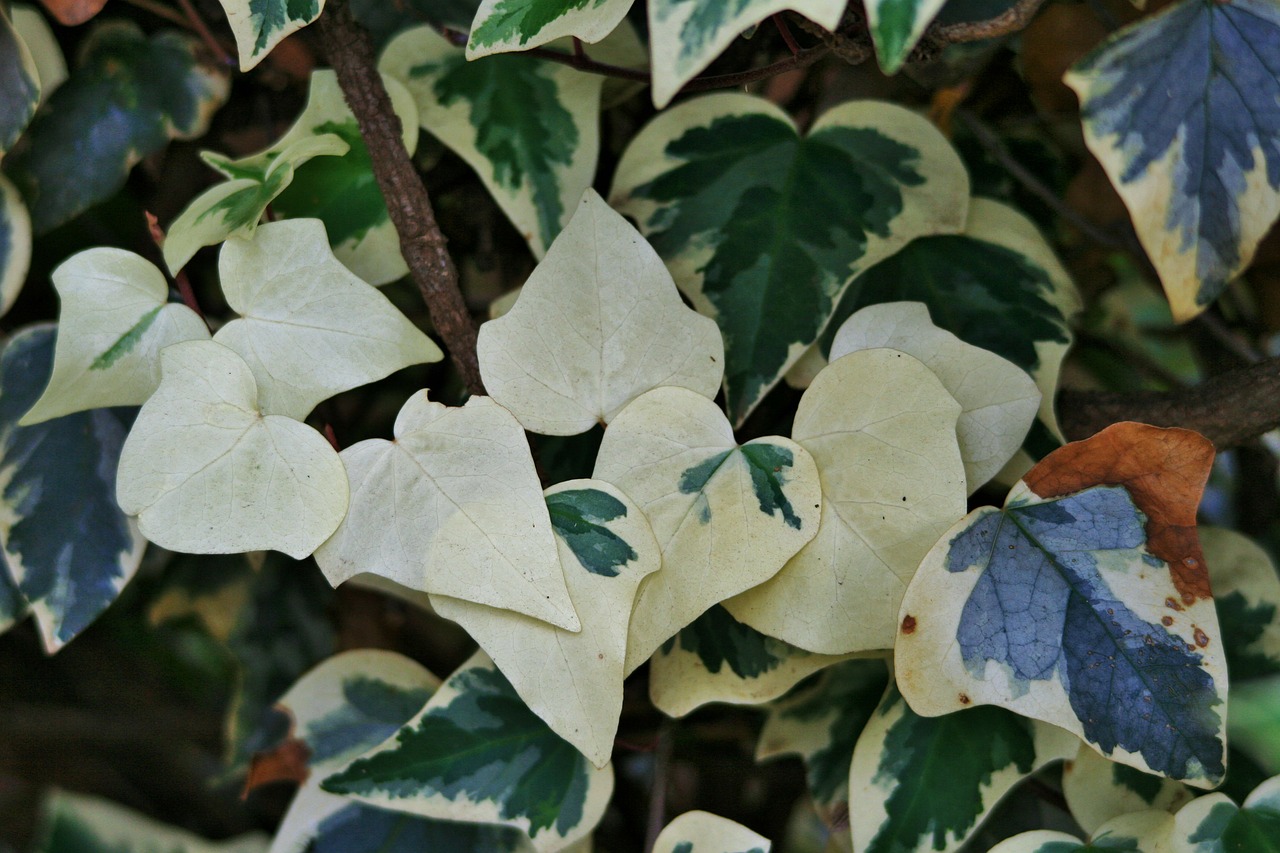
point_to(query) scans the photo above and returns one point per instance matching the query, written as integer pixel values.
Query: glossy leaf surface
(259, 25)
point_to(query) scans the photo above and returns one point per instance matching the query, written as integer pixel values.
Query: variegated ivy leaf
(308, 327)
(997, 286)
(114, 320)
(509, 25)
(528, 126)
(129, 96)
(1198, 165)
(33, 29)
(68, 549)
(1085, 598)
(342, 191)
(921, 784)
(703, 832)
(998, 401)
(896, 26)
(821, 724)
(573, 681)
(1246, 592)
(452, 506)
(726, 517)
(1098, 790)
(598, 323)
(716, 658)
(259, 25)
(1137, 832)
(686, 35)
(19, 83)
(477, 753)
(882, 430)
(15, 244)
(208, 472)
(754, 220)
(77, 823)
(234, 207)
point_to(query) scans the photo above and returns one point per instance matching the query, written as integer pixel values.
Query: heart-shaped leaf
(1098, 790)
(259, 25)
(508, 25)
(703, 832)
(452, 506)
(15, 244)
(207, 472)
(598, 323)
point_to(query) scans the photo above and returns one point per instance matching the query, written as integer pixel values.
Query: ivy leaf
(128, 98)
(821, 724)
(509, 25)
(19, 83)
(452, 506)
(1246, 593)
(686, 36)
(926, 783)
(1131, 833)
(703, 832)
(998, 401)
(726, 516)
(1098, 790)
(716, 658)
(477, 753)
(15, 244)
(882, 430)
(573, 681)
(1084, 599)
(77, 823)
(67, 547)
(114, 320)
(34, 31)
(528, 126)
(598, 323)
(259, 25)
(896, 27)
(1197, 164)
(755, 221)
(309, 328)
(208, 472)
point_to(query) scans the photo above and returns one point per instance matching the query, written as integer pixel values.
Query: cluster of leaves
(922, 662)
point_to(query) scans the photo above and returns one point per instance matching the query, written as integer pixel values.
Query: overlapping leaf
(19, 83)
(528, 126)
(703, 832)
(15, 244)
(68, 548)
(1098, 790)
(756, 222)
(33, 29)
(1084, 603)
(77, 823)
(1197, 164)
(1246, 593)
(598, 323)
(506, 25)
(259, 25)
(452, 506)
(477, 753)
(727, 517)
(206, 470)
(882, 430)
(896, 27)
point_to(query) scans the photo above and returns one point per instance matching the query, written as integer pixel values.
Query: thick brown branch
(1228, 409)
(1013, 19)
(350, 52)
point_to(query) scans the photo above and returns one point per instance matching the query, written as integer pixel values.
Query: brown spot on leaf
(1202, 639)
(1166, 621)
(908, 624)
(1172, 604)
(964, 699)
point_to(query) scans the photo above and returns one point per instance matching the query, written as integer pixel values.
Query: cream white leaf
(703, 832)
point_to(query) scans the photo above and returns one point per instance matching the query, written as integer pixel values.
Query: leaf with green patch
(1098, 790)
(1246, 592)
(703, 832)
(15, 244)
(926, 783)
(129, 96)
(528, 126)
(67, 546)
(882, 430)
(727, 517)
(77, 823)
(19, 83)
(573, 680)
(477, 753)
(1197, 164)
(896, 27)
(509, 25)
(259, 25)
(1131, 833)
(756, 222)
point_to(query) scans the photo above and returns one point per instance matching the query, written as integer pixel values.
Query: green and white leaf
(573, 681)
(703, 832)
(452, 506)
(821, 725)
(236, 206)
(342, 191)
(1098, 790)
(511, 25)
(598, 323)
(686, 35)
(882, 430)
(15, 244)
(308, 327)
(1137, 832)
(34, 31)
(727, 517)
(477, 753)
(114, 320)
(259, 25)
(754, 220)
(896, 27)
(19, 83)
(1246, 593)
(78, 823)
(716, 658)
(927, 783)
(208, 472)
(528, 126)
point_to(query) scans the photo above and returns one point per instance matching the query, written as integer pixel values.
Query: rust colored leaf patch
(73, 12)
(287, 762)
